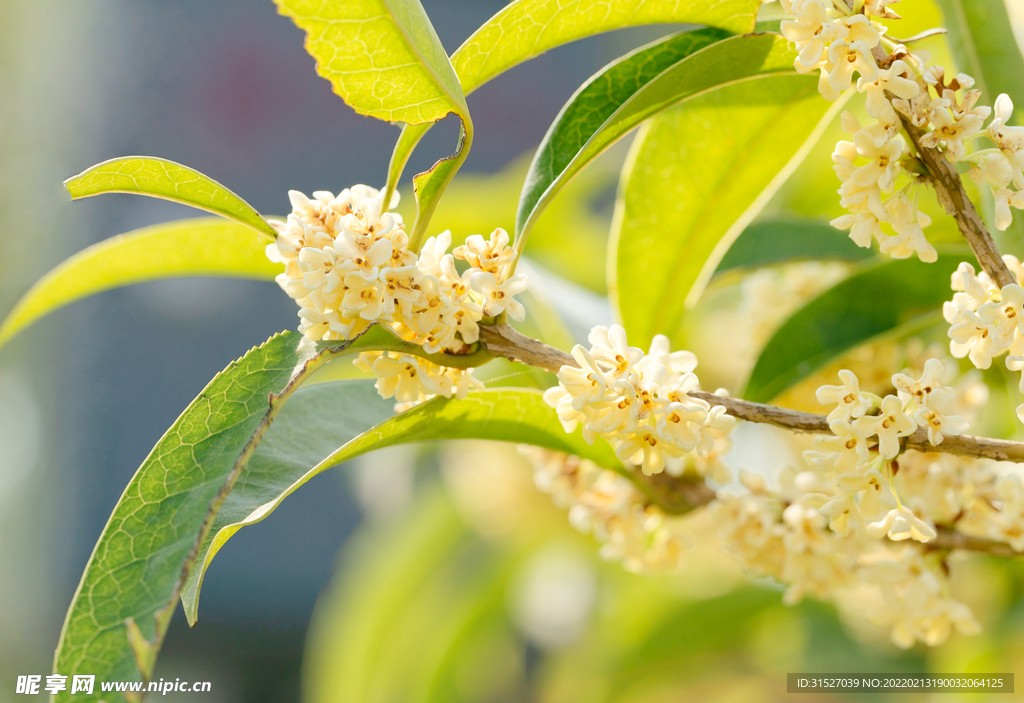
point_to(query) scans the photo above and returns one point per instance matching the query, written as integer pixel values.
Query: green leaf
(632, 89)
(328, 415)
(382, 57)
(981, 37)
(165, 179)
(430, 185)
(697, 175)
(201, 247)
(848, 314)
(526, 29)
(775, 241)
(125, 600)
(315, 422)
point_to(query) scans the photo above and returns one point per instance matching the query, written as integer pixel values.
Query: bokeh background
(441, 574)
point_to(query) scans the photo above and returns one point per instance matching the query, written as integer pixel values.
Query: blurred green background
(436, 573)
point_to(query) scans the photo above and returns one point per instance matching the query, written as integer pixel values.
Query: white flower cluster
(607, 505)
(411, 380)
(858, 459)
(987, 321)
(348, 265)
(782, 535)
(638, 402)
(845, 525)
(839, 42)
(811, 536)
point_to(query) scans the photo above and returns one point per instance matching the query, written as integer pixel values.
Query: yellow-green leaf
(168, 180)
(206, 246)
(382, 57)
(697, 175)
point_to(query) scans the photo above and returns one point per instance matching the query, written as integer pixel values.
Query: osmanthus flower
(849, 56)
(607, 505)
(1008, 139)
(891, 423)
(899, 80)
(497, 296)
(411, 380)
(883, 161)
(842, 452)
(433, 251)
(609, 345)
(971, 336)
(873, 492)
(899, 524)
(401, 376)
(637, 402)
(401, 289)
(908, 223)
(850, 402)
(983, 335)
(813, 31)
(954, 121)
(588, 384)
(928, 399)
(490, 255)
(841, 512)
(645, 448)
(880, 8)
(1005, 316)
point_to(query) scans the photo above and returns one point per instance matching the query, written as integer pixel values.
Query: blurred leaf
(413, 601)
(127, 595)
(527, 28)
(697, 176)
(775, 241)
(848, 314)
(617, 98)
(200, 247)
(165, 179)
(981, 37)
(382, 57)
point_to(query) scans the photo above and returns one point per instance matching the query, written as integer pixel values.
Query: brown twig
(503, 341)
